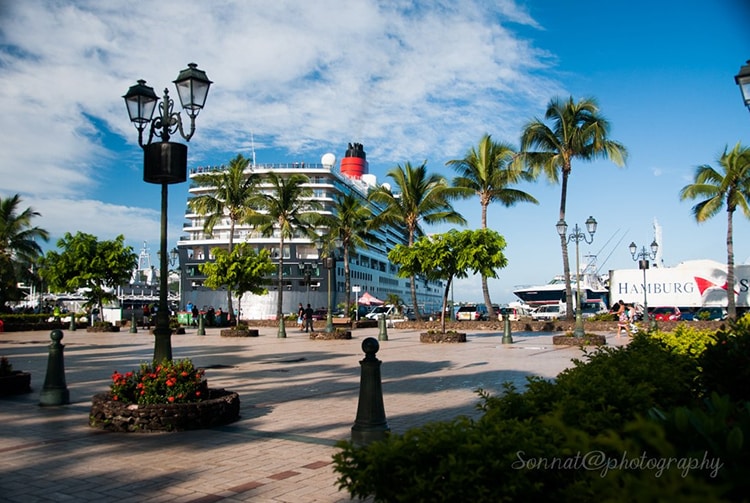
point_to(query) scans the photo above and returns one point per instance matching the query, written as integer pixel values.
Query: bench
(344, 322)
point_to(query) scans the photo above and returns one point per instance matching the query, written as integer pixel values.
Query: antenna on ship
(252, 147)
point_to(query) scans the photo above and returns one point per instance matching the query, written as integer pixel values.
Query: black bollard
(72, 321)
(371, 423)
(133, 327)
(55, 392)
(507, 337)
(382, 330)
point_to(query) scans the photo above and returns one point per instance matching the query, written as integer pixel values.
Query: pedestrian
(146, 316)
(309, 318)
(623, 322)
(301, 317)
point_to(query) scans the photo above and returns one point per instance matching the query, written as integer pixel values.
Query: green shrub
(506, 455)
(685, 340)
(171, 381)
(725, 363)
(610, 387)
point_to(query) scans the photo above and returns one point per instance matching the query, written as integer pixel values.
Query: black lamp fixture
(165, 162)
(642, 258)
(743, 80)
(578, 235)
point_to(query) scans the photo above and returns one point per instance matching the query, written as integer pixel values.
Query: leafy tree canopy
(449, 255)
(94, 267)
(241, 270)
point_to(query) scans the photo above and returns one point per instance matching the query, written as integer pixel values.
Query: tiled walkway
(299, 397)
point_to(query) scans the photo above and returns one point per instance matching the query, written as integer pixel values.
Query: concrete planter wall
(221, 407)
(16, 383)
(436, 337)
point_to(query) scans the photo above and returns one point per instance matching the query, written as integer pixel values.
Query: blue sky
(412, 81)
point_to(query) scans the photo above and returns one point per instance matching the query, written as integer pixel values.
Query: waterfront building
(305, 275)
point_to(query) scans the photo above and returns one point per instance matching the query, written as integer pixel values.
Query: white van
(548, 312)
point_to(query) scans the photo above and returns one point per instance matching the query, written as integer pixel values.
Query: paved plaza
(299, 397)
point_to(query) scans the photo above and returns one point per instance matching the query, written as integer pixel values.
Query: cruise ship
(370, 270)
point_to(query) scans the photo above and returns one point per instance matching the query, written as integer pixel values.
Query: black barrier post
(371, 423)
(55, 391)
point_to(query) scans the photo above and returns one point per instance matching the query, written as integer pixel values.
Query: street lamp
(165, 162)
(743, 80)
(642, 257)
(578, 235)
(330, 264)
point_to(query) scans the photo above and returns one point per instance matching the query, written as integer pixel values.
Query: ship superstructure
(369, 268)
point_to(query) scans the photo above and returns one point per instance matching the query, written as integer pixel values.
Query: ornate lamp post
(577, 235)
(330, 264)
(642, 257)
(165, 162)
(743, 80)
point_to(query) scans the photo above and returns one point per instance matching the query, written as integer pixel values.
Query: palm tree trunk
(230, 309)
(731, 307)
(445, 303)
(347, 280)
(280, 298)
(413, 283)
(564, 245)
(485, 288)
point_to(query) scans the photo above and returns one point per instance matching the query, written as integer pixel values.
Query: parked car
(514, 313)
(710, 313)
(472, 313)
(591, 309)
(665, 313)
(548, 312)
(320, 314)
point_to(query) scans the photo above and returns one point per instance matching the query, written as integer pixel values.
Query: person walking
(309, 319)
(623, 322)
(301, 317)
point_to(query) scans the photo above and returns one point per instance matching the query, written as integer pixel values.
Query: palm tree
(488, 171)
(232, 192)
(285, 209)
(18, 245)
(348, 223)
(421, 197)
(577, 131)
(730, 186)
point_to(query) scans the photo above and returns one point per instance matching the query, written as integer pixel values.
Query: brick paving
(299, 397)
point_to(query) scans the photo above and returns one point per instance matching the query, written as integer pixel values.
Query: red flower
(170, 399)
(197, 393)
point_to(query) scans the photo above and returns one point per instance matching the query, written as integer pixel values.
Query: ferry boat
(593, 288)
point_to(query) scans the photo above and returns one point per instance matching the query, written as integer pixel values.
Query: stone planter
(16, 383)
(326, 336)
(240, 332)
(110, 328)
(586, 340)
(436, 337)
(220, 408)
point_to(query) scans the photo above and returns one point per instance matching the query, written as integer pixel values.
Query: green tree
(231, 195)
(241, 270)
(577, 130)
(284, 207)
(420, 198)
(488, 172)
(453, 254)
(349, 224)
(728, 186)
(19, 248)
(95, 267)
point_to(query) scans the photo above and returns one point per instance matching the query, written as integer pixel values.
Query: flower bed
(221, 407)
